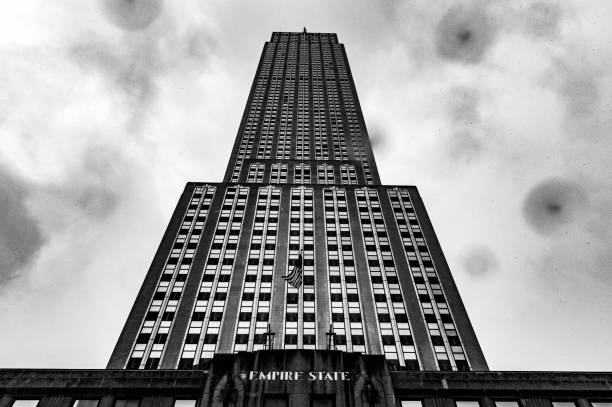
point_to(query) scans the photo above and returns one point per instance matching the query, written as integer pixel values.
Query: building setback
(372, 316)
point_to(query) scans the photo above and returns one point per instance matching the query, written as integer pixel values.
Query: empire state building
(301, 179)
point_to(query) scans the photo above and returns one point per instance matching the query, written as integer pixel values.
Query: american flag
(294, 278)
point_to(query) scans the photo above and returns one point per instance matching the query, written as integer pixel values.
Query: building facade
(375, 318)
(301, 179)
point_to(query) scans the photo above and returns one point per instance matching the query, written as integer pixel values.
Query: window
(507, 403)
(411, 403)
(185, 403)
(467, 403)
(25, 403)
(85, 403)
(563, 404)
(601, 403)
(126, 403)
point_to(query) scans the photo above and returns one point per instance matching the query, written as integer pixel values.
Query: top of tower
(304, 36)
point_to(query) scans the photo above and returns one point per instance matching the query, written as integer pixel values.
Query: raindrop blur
(97, 203)
(553, 204)
(480, 261)
(464, 34)
(132, 15)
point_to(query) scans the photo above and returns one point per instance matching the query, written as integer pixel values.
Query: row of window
(396, 334)
(308, 37)
(325, 174)
(328, 90)
(507, 403)
(442, 331)
(345, 309)
(94, 403)
(257, 288)
(205, 323)
(403, 403)
(154, 331)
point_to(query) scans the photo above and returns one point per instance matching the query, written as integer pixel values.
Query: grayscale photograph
(392, 203)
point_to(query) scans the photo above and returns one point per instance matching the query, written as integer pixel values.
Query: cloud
(21, 238)
(464, 34)
(467, 138)
(543, 19)
(132, 15)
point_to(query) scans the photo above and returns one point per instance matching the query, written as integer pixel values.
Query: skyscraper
(300, 280)
(301, 179)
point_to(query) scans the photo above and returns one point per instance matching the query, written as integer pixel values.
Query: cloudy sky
(499, 111)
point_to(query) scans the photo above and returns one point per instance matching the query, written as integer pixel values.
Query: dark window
(192, 338)
(336, 297)
(309, 317)
(388, 339)
(244, 316)
(401, 318)
(248, 296)
(337, 317)
(220, 296)
(210, 338)
(358, 339)
(185, 364)
(291, 339)
(262, 316)
(216, 316)
(406, 340)
(143, 338)
(444, 365)
(259, 338)
(160, 338)
(151, 315)
(264, 296)
(437, 341)
(198, 316)
(292, 317)
(134, 363)
(430, 318)
(310, 340)
(384, 318)
(242, 338)
(151, 363)
(446, 318)
(412, 364)
(355, 317)
(380, 298)
(454, 341)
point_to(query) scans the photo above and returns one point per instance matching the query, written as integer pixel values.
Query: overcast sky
(499, 111)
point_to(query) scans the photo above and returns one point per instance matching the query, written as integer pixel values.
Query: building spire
(304, 30)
